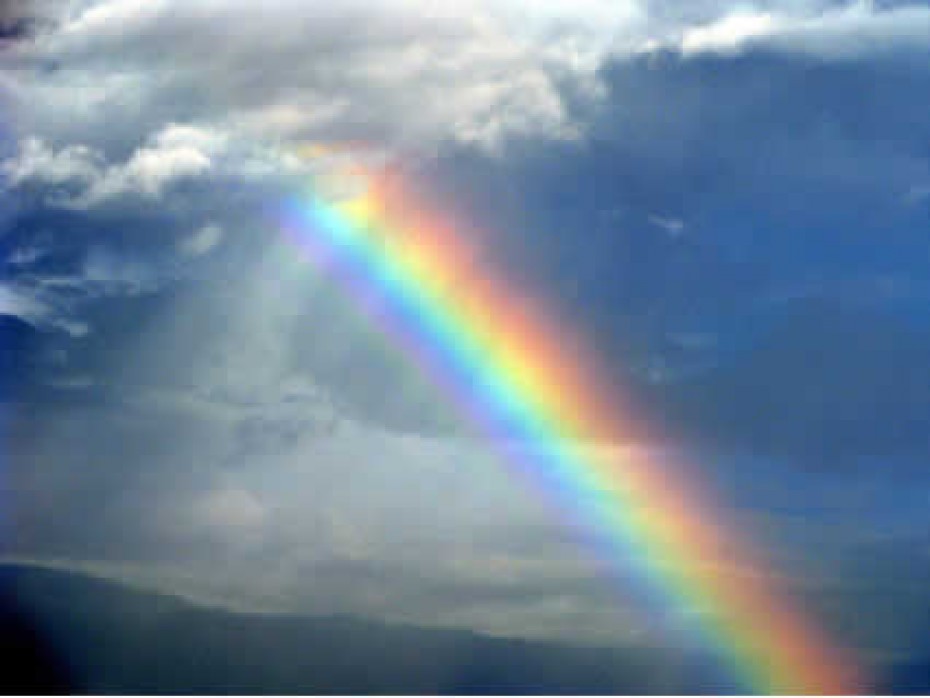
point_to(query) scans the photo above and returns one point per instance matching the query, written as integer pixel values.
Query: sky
(728, 200)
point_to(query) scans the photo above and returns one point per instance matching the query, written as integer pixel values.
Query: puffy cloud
(79, 176)
(395, 74)
(401, 72)
(36, 161)
(150, 170)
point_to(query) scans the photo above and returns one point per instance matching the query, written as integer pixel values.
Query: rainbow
(524, 379)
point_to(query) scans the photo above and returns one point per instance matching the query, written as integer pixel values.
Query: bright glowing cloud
(728, 34)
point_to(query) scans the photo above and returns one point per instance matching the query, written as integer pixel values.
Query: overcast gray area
(730, 200)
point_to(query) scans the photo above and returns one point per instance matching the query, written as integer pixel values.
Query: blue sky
(730, 200)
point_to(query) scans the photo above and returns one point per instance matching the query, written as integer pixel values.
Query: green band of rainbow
(525, 380)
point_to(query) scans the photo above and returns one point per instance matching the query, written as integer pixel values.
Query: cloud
(36, 161)
(390, 74)
(384, 71)
(24, 303)
(202, 241)
(234, 476)
(364, 527)
(729, 34)
(77, 176)
(150, 170)
(848, 31)
(427, 530)
(673, 226)
(231, 510)
(17, 304)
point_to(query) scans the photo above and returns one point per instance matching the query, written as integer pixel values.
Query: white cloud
(150, 170)
(728, 34)
(112, 18)
(36, 161)
(402, 74)
(390, 71)
(828, 32)
(78, 176)
(188, 137)
(202, 241)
